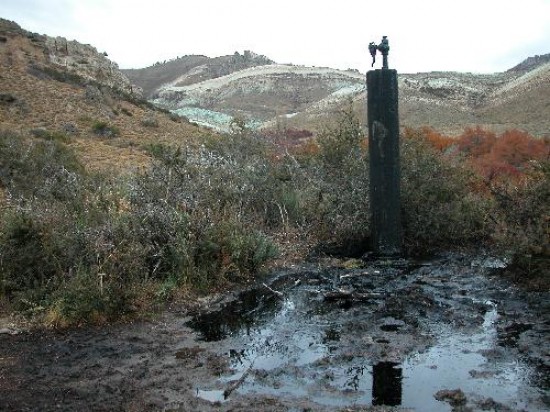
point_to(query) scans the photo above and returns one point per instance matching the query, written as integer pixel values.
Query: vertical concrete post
(385, 175)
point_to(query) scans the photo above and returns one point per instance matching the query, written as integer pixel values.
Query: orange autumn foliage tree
(436, 139)
(492, 156)
(431, 136)
(505, 156)
(518, 148)
(476, 142)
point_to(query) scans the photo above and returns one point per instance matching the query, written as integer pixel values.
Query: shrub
(43, 168)
(7, 98)
(25, 253)
(341, 179)
(476, 142)
(127, 112)
(85, 299)
(199, 216)
(48, 135)
(524, 214)
(158, 150)
(501, 157)
(190, 220)
(104, 129)
(234, 250)
(216, 190)
(63, 76)
(440, 209)
(148, 243)
(44, 245)
(150, 121)
(177, 118)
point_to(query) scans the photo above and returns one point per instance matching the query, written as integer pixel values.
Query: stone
(93, 93)
(70, 128)
(455, 397)
(9, 331)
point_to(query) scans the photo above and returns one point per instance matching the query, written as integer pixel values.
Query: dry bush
(524, 230)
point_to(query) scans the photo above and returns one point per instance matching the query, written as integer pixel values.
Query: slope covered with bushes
(79, 246)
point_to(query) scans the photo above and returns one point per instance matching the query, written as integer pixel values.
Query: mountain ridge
(299, 96)
(265, 95)
(215, 91)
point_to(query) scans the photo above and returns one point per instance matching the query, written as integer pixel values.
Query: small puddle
(417, 335)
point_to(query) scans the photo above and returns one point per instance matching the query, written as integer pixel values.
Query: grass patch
(105, 129)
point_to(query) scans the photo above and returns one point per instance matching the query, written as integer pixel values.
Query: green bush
(150, 121)
(199, 216)
(127, 112)
(193, 220)
(148, 243)
(216, 194)
(158, 150)
(48, 135)
(63, 76)
(49, 249)
(85, 298)
(38, 168)
(25, 253)
(440, 209)
(229, 249)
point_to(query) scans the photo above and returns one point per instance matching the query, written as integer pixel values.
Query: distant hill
(187, 70)
(266, 95)
(451, 101)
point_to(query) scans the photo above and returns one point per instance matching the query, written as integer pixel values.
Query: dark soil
(445, 334)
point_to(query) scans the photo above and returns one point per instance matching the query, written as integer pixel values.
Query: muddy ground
(439, 335)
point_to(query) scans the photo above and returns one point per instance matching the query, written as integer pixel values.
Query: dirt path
(445, 334)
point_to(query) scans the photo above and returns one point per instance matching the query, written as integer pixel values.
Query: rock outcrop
(531, 63)
(85, 61)
(71, 58)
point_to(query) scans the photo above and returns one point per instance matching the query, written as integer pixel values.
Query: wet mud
(446, 334)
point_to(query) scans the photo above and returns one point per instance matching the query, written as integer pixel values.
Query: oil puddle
(393, 336)
(248, 311)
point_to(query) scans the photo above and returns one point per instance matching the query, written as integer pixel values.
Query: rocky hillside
(54, 87)
(531, 63)
(268, 95)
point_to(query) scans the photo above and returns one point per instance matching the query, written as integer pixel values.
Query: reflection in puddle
(298, 348)
(387, 384)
